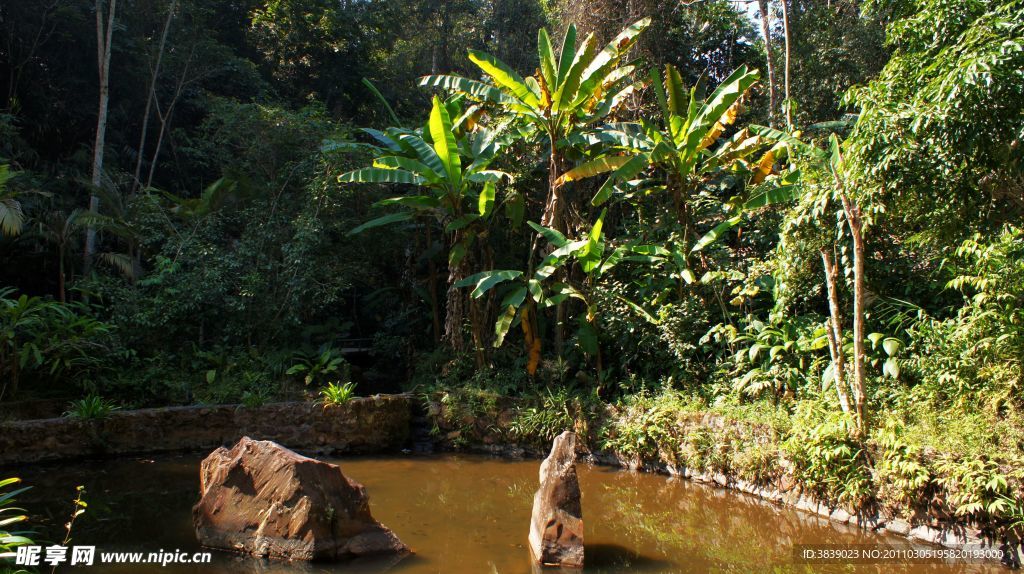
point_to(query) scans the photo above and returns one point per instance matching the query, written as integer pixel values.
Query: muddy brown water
(461, 514)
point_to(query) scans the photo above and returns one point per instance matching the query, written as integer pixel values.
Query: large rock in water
(556, 528)
(266, 500)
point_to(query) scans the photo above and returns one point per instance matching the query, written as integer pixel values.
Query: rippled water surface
(461, 514)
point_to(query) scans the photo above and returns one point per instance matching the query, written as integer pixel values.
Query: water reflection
(460, 514)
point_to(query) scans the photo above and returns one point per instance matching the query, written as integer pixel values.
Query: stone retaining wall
(488, 434)
(364, 425)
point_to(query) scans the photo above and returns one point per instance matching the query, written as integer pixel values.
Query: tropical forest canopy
(803, 207)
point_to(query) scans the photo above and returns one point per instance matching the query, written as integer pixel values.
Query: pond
(461, 514)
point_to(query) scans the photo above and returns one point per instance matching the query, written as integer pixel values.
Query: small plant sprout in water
(79, 509)
(337, 394)
(92, 407)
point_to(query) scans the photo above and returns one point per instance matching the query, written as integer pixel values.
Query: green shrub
(826, 457)
(337, 394)
(550, 414)
(904, 480)
(981, 490)
(47, 342)
(91, 408)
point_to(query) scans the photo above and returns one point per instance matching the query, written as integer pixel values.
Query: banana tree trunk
(555, 208)
(554, 218)
(455, 303)
(435, 311)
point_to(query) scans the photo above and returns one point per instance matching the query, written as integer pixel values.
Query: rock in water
(556, 528)
(266, 500)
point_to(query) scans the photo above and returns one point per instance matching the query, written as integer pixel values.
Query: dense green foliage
(300, 195)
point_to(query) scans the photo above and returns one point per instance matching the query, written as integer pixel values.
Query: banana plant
(525, 294)
(681, 153)
(580, 86)
(448, 163)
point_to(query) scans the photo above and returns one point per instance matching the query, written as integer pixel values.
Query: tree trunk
(853, 219)
(554, 208)
(15, 369)
(834, 330)
(104, 39)
(455, 308)
(432, 289)
(762, 6)
(554, 218)
(61, 290)
(151, 96)
(788, 102)
(165, 119)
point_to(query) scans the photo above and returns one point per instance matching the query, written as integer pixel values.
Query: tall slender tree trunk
(788, 102)
(15, 369)
(853, 218)
(165, 118)
(554, 209)
(834, 330)
(554, 217)
(61, 281)
(104, 39)
(455, 308)
(432, 288)
(762, 6)
(136, 182)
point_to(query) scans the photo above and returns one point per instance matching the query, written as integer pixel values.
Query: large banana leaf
(547, 57)
(504, 76)
(459, 84)
(609, 57)
(724, 97)
(674, 90)
(716, 233)
(411, 201)
(381, 175)
(553, 236)
(385, 220)
(771, 195)
(568, 53)
(570, 84)
(510, 306)
(485, 281)
(426, 154)
(625, 172)
(440, 124)
(591, 255)
(485, 204)
(408, 164)
(593, 167)
(790, 140)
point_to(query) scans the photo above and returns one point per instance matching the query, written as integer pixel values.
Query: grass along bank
(947, 477)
